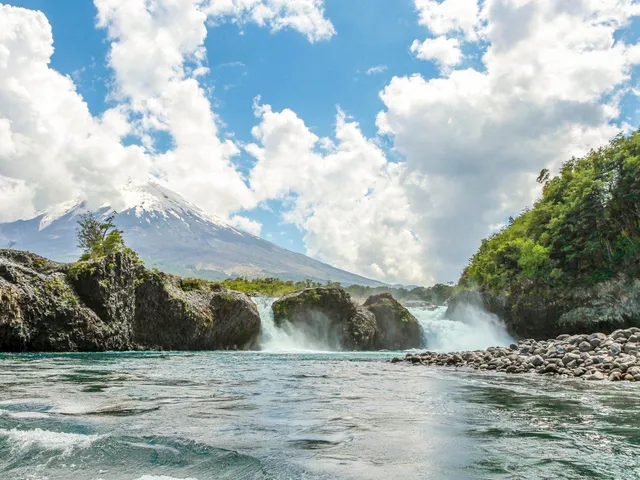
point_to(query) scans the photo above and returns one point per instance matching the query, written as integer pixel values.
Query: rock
(551, 368)
(396, 360)
(562, 337)
(513, 347)
(326, 315)
(614, 349)
(629, 347)
(585, 347)
(615, 376)
(595, 376)
(171, 318)
(329, 316)
(41, 311)
(396, 327)
(537, 360)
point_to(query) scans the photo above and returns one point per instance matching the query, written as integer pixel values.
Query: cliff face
(167, 315)
(113, 304)
(606, 307)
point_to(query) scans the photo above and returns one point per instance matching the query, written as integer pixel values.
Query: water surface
(304, 415)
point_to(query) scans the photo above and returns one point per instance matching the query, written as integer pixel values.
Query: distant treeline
(274, 287)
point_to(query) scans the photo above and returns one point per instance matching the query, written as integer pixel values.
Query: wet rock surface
(593, 357)
(329, 314)
(115, 304)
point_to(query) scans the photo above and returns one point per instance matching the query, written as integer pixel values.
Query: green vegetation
(584, 230)
(98, 238)
(191, 284)
(273, 287)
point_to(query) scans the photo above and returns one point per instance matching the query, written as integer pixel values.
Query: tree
(98, 238)
(11, 244)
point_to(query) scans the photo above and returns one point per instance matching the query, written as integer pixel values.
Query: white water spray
(471, 329)
(280, 340)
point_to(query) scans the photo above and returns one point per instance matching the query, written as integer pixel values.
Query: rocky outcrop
(41, 311)
(111, 304)
(397, 329)
(204, 318)
(610, 305)
(329, 316)
(596, 356)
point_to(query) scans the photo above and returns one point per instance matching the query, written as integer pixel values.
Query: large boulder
(328, 316)
(397, 329)
(115, 304)
(173, 314)
(41, 311)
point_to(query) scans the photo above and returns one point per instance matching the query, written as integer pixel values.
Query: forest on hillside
(583, 232)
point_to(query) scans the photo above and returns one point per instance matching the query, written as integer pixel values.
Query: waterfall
(472, 329)
(283, 340)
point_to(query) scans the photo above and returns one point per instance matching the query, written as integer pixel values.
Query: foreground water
(266, 415)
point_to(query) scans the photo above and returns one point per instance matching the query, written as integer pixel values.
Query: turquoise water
(341, 415)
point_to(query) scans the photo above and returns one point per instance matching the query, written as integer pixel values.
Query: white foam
(23, 415)
(473, 329)
(163, 477)
(48, 440)
(278, 340)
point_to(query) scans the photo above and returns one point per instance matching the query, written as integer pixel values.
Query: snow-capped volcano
(174, 235)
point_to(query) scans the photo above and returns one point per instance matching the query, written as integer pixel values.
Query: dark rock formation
(41, 311)
(196, 319)
(613, 304)
(114, 304)
(396, 327)
(329, 316)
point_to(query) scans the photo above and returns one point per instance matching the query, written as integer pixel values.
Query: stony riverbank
(597, 356)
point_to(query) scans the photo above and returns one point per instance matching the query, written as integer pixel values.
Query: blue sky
(283, 68)
(447, 143)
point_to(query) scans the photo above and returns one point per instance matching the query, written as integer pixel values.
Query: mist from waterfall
(471, 329)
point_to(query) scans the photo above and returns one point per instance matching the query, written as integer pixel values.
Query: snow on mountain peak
(153, 199)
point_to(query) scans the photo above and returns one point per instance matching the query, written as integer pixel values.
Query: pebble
(595, 357)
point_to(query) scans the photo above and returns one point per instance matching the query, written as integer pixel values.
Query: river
(294, 411)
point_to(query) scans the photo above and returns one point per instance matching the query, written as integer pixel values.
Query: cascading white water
(276, 339)
(472, 329)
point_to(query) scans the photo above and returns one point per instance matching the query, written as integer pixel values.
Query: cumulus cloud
(350, 200)
(476, 138)
(243, 223)
(445, 51)
(305, 16)
(442, 17)
(50, 144)
(50, 141)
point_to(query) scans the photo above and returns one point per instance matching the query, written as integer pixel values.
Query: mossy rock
(397, 329)
(328, 316)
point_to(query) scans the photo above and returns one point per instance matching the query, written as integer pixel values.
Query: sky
(384, 137)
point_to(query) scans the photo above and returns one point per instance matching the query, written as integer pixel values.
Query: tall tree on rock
(98, 238)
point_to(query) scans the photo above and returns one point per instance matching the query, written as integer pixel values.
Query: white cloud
(376, 70)
(243, 223)
(18, 196)
(442, 17)
(305, 16)
(444, 51)
(49, 143)
(349, 200)
(475, 139)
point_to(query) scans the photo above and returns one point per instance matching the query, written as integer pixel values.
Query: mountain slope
(176, 236)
